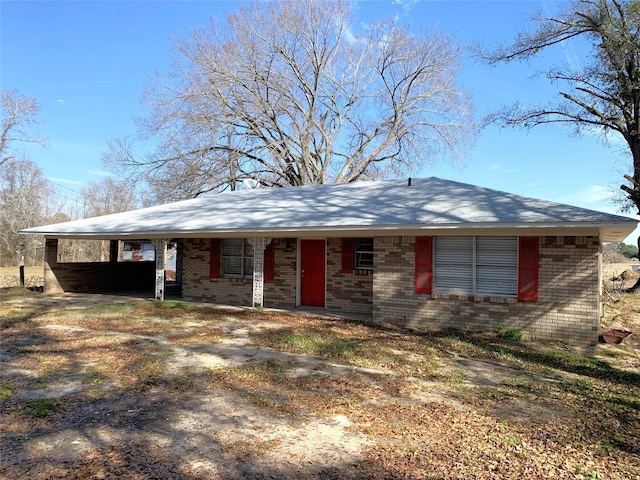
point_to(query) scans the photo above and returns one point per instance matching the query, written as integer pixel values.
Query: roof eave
(607, 232)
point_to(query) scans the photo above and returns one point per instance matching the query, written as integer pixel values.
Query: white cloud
(406, 5)
(65, 180)
(610, 138)
(62, 102)
(349, 36)
(99, 173)
(595, 196)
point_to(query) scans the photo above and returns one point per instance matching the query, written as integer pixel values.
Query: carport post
(22, 271)
(258, 244)
(113, 251)
(160, 246)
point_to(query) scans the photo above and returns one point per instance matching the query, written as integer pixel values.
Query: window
(237, 258)
(485, 266)
(363, 249)
(453, 265)
(357, 254)
(138, 252)
(497, 266)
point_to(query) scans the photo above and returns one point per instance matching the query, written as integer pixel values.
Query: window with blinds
(485, 266)
(237, 258)
(453, 265)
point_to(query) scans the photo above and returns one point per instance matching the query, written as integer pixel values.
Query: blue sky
(87, 62)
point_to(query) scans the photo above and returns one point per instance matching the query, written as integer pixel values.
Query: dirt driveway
(212, 434)
(112, 387)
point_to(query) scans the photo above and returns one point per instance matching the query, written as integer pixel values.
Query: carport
(115, 275)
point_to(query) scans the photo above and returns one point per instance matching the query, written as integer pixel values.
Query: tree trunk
(636, 286)
(634, 196)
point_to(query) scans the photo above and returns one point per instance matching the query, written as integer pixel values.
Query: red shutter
(347, 255)
(269, 265)
(424, 264)
(214, 258)
(528, 269)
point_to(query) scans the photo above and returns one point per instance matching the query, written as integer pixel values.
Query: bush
(41, 407)
(628, 251)
(513, 334)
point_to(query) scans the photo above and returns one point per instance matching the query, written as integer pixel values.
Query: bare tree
(603, 94)
(101, 197)
(107, 196)
(611, 254)
(18, 111)
(26, 200)
(288, 93)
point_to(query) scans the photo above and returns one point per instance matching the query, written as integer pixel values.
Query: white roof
(427, 206)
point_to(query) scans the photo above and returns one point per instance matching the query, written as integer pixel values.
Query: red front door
(312, 265)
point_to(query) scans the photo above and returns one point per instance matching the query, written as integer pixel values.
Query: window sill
(474, 298)
(237, 279)
(363, 271)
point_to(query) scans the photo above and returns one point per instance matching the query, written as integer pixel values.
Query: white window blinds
(497, 266)
(476, 265)
(453, 265)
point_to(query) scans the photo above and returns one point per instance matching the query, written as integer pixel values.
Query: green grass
(616, 354)
(41, 407)
(116, 311)
(311, 343)
(169, 304)
(151, 372)
(6, 391)
(17, 315)
(95, 375)
(513, 334)
(456, 376)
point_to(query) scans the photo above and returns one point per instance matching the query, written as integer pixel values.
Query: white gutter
(611, 231)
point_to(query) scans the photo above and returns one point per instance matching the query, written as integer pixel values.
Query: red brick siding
(281, 292)
(567, 308)
(198, 286)
(347, 292)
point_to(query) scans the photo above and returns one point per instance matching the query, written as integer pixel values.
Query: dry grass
(445, 405)
(10, 276)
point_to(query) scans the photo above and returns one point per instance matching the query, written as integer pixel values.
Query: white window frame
(359, 253)
(476, 265)
(245, 257)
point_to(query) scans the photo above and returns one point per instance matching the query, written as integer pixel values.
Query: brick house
(424, 253)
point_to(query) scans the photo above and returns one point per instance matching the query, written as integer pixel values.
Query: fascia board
(610, 231)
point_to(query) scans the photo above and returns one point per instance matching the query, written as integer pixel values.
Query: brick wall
(347, 292)
(281, 291)
(94, 277)
(196, 284)
(567, 308)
